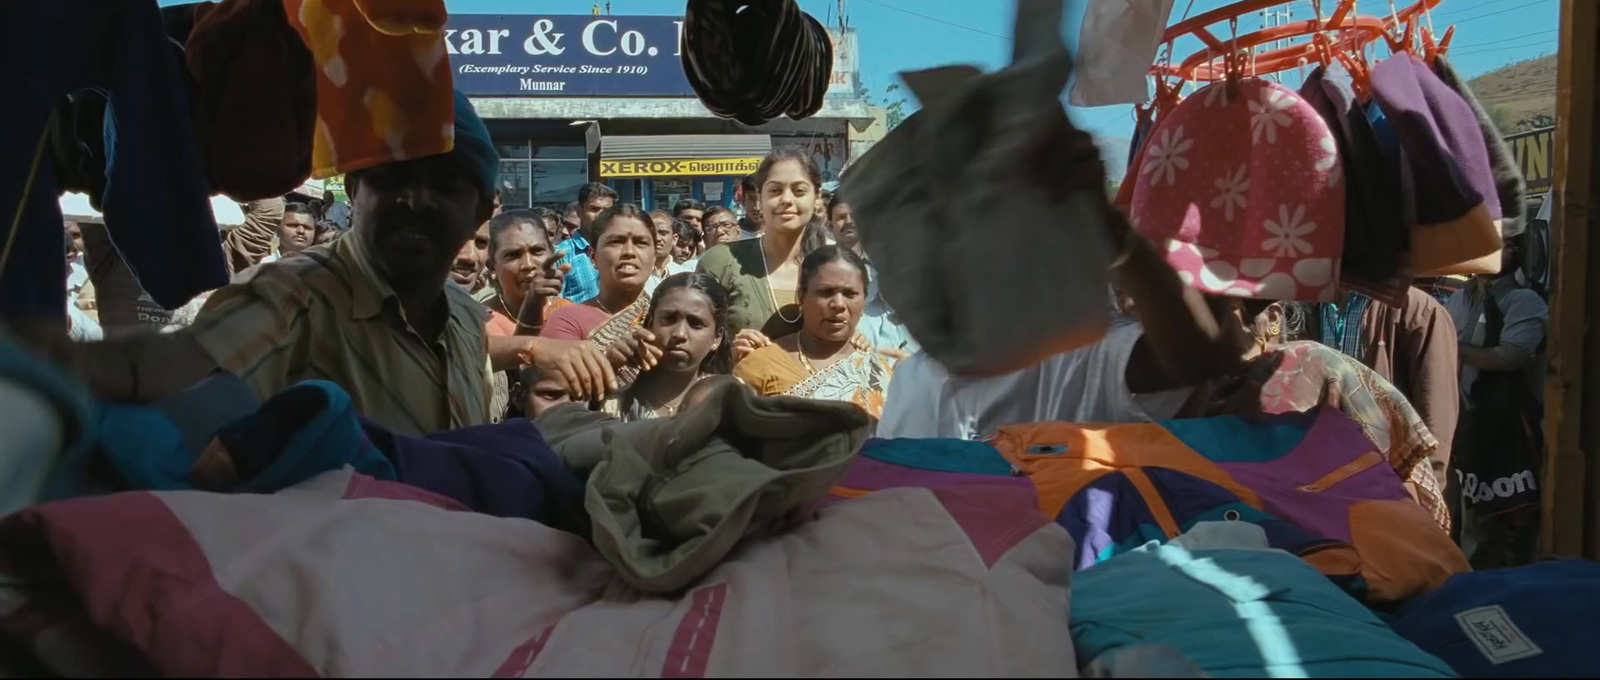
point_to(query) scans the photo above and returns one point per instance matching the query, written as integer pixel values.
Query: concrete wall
(862, 137)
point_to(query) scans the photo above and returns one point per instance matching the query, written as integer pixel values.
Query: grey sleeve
(1526, 317)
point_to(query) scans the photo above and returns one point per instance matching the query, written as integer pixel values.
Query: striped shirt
(329, 316)
(1341, 327)
(583, 280)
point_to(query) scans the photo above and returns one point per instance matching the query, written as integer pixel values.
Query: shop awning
(310, 187)
(76, 207)
(681, 155)
(652, 147)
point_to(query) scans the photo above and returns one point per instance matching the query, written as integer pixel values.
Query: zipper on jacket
(1355, 467)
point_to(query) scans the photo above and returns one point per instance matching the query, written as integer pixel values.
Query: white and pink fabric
(1241, 184)
(345, 576)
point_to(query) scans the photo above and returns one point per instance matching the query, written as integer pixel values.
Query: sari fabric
(502, 324)
(1303, 375)
(615, 328)
(583, 322)
(861, 378)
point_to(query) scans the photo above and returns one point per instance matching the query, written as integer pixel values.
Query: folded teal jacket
(1238, 614)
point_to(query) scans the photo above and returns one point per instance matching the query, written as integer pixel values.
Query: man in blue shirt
(583, 280)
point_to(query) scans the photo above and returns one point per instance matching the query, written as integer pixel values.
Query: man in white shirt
(1140, 371)
(879, 324)
(666, 240)
(296, 232)
(1085, 385)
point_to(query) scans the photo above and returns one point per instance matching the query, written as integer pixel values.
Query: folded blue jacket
(1535, 621)
(1237, 614)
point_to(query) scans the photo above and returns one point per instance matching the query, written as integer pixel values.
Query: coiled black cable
(756, 60)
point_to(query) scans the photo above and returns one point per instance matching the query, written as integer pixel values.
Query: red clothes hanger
(1342, 37)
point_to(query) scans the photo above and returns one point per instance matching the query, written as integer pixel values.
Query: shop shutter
(647, 147)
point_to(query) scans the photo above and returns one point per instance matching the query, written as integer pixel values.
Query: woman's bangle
(525, 357)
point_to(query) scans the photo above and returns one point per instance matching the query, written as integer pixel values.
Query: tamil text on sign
(670, 167)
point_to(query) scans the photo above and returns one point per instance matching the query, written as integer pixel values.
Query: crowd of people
(666, 300)
(440, 309)
(604, 303)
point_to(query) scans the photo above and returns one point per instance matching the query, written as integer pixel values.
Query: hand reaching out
(747, 341)
(638, 348)
(585, 368)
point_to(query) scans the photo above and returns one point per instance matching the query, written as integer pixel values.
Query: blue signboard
(566, 55)
(587, 55)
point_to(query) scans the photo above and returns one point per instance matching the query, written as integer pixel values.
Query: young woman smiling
(762, 275)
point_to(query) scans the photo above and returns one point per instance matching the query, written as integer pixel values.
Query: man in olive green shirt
(372, 312)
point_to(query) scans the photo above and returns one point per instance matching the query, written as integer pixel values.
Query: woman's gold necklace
(670, 408)
(800, 351)
(777, 308)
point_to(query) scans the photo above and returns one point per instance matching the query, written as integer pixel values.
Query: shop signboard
(1535, 154)
(844, 82)
(827, 151)
(336, 185)
(679, 167)
(584, 55)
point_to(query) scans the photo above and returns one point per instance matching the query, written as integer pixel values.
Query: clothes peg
(1430, 49)
(1397, 43)
(1360, 75)
(1444, 43)
(1324, 51)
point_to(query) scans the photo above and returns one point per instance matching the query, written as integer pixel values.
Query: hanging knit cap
(1240, 185)
(1454, 191)
(474, 145)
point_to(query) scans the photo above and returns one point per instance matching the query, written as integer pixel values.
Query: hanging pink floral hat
(1241, 186)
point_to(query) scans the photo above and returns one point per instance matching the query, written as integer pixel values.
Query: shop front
(657, 171)
(572, 99)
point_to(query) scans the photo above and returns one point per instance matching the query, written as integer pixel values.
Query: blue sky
(898, 35)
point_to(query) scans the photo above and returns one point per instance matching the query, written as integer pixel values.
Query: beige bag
(886, 585)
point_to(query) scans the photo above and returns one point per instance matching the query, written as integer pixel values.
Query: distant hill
(1521, 96)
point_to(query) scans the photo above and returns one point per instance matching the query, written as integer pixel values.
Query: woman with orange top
(519, 249)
